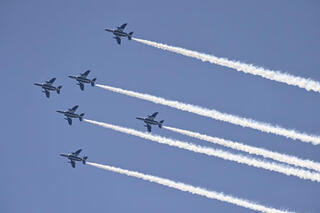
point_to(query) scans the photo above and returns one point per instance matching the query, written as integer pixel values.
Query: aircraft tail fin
(58, 89)
(160, 123)
(93, 81)
(130, 35)
(84, 159)
(81, 116)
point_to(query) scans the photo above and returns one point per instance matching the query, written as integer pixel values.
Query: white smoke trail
(244, 122)
(303, 174)
(304, 83)
(309, 164)
(191, 189)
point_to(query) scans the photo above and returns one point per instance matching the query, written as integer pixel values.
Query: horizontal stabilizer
(58, 89)
(93, 81)
(81, 116)
(84, 159)
(160, 123)
(130, 35)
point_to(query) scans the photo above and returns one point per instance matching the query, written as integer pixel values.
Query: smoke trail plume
(308, 84)
(191, 189)
(250, 149)
(214, 114)
(303, 174)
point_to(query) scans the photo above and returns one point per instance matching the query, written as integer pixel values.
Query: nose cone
(59, 111)
(63, 155)
(108, 30)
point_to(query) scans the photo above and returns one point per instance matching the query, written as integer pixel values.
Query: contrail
(191, 189)
(214, 114)
(308, 84)
(309, 164)
(300, 173)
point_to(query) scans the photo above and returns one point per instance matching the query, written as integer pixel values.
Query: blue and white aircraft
(82, 78)
(70, 113)
(118, 33)
(47, 87)
(73, 157)
(150, 121)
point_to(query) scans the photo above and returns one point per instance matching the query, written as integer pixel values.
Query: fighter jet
(47, 87)
(150, 121)
(73, 157)
(118, 33)
(70, 113)
(82, 78)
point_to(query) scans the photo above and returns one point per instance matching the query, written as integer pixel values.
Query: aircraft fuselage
(149, 121)
(71, 157)
(81, 79)
(46, 86)
(118, 33)
(71, 114)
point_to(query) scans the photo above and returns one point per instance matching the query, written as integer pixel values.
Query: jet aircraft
(118, 33)
(47, 87)
(150, 121)
(73, 157)
(70, 113)
(82, 78)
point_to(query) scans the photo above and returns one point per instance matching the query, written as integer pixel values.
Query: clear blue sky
(44, 39)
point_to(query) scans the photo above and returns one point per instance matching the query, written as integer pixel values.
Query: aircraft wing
(81, 86)
(85, 74)
(47, 93)
(73, 164)
(118, 39)
(149, 128)
(73, 109)
(51, 81)
(69, 121)
(122, 26)
(76, 153)
(153, 116)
